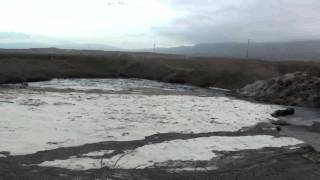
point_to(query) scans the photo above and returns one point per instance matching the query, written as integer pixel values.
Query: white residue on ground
(35, 121)
(194, 169)
(199, 149)
(99, 153)
(108, 84)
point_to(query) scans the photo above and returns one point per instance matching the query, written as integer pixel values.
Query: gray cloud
(230, 20)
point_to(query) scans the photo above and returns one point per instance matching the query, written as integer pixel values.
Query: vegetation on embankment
(219, 72)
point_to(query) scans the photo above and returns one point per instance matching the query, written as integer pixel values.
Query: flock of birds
(113, 3)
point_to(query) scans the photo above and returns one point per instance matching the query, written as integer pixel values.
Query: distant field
(35, 65)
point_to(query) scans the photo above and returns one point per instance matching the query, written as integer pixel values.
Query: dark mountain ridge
(298, 50)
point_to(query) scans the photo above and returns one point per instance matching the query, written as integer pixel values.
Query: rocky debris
(295, 89)
(316, 127)
(284, 112)
(24, 85)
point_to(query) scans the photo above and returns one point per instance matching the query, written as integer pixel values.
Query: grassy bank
(218, 72)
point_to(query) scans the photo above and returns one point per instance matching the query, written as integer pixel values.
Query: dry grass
(219, 72)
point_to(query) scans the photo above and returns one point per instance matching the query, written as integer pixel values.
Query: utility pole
(154, 48)
(248, 47)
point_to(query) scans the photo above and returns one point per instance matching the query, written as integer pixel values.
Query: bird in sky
(113, 3)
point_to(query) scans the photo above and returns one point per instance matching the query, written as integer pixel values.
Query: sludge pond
(141, 129)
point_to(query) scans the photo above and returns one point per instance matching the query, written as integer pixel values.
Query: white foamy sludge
(199, 149)
(34, 121)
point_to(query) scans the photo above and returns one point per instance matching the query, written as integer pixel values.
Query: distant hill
(296, 50)
(14, 40)
(299, 50)
(24, 45)
(57, 51)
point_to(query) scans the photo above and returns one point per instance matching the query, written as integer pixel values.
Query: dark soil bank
(44, 64)
(295, 89)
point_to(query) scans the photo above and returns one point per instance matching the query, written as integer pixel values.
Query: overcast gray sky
(238, 20)
(140, 23)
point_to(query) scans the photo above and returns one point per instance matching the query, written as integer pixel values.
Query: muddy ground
(268, 163)
(286, 163)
